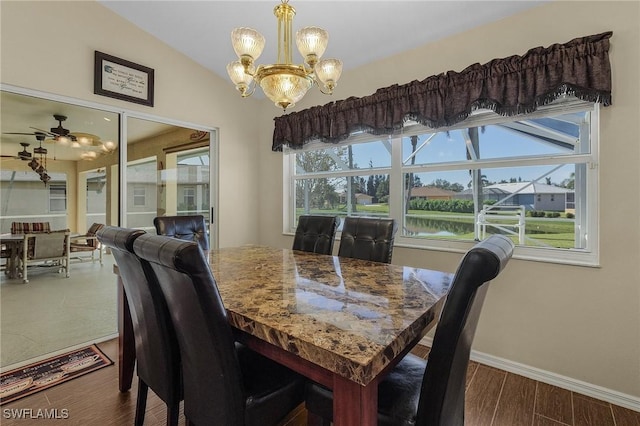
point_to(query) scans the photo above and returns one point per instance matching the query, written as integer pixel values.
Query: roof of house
(532, 188)
(431, 191)
(359, 195)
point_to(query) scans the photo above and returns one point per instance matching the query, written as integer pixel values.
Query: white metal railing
(498, 217)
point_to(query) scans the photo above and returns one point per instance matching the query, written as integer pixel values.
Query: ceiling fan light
(75, 144)
(108, 146)
(84, 141)
(89, 155)
(312, 42)
(63, 140)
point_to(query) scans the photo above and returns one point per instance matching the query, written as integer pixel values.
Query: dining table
(341, 322)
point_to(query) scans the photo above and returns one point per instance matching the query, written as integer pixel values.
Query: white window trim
(142, 196)
(579, 257)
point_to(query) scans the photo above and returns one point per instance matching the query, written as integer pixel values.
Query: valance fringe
(510, 86)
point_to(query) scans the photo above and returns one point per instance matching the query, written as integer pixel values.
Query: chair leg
(173, 412)
(141, 403)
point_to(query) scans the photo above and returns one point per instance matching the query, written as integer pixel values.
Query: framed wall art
(121, 79)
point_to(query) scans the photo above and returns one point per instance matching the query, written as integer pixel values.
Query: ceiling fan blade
(17, 133)
(46, 132)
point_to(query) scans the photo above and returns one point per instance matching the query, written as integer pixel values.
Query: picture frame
(121, 79)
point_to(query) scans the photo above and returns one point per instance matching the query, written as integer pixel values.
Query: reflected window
(57, 198)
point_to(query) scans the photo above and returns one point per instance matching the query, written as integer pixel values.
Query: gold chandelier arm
(329, 88)
(247, 90)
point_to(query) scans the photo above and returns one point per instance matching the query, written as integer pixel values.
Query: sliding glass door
(168, 173)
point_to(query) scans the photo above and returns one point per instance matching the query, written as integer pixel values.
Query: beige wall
(579, 322)
(583, 323)
(41, 55)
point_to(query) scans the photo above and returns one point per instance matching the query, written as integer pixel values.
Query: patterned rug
(32, 378)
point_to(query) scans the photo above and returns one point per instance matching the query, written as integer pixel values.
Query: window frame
(138, 196)
(53, 196)
(589, 256)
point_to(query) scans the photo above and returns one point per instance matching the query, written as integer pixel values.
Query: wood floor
(494, 397)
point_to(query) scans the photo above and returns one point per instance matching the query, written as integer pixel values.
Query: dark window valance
(508, 86)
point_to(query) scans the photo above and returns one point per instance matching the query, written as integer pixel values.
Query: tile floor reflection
(52, 313)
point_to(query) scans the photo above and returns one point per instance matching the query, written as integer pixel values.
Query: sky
(496, 142)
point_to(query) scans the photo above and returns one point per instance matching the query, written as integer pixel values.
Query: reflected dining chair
(224, 383)
(431, 393)
(190, 228)
(368, 238)
(157, 353)
(316, 233)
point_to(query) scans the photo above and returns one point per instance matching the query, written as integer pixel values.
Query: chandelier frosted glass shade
(239, 77)
(328, 72)
(283, 82)
(312, 42)
(284, 85)
(247, 43)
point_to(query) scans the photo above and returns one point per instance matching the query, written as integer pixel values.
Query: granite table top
(349, 316)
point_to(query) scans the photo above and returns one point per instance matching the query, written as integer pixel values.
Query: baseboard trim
(604, 394)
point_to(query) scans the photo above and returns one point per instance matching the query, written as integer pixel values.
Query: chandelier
(284, 83)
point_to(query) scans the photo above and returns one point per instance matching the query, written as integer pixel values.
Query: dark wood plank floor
(494, 397)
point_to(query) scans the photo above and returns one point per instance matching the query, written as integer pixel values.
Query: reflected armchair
(50, 247)
(88, 243)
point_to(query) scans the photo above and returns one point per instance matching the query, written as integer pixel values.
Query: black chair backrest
(213, 390)
(189, 228)
(368, 238)
(157, 353)
(442, 395)
(315, 233)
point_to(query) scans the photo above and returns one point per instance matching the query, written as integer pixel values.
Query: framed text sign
(121, 79)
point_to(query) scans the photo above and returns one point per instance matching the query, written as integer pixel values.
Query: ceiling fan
(64, 136)
(37, 164)
(26, 155)
(57, 133)
(23, 155)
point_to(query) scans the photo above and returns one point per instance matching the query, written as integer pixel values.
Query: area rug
(32, 378)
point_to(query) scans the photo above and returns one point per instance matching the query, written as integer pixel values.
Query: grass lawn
(551, 232)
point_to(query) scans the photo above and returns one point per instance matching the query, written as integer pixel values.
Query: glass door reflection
(168, 173)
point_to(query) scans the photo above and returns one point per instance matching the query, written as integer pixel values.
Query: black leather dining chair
(157, 353)
(316, 233)
(368, 238)
(190, 228)
(431, 393)
(224, 383)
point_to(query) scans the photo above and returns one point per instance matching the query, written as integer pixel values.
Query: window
(57, 198)
(532, 178)
(139, 196)
(189, 198)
